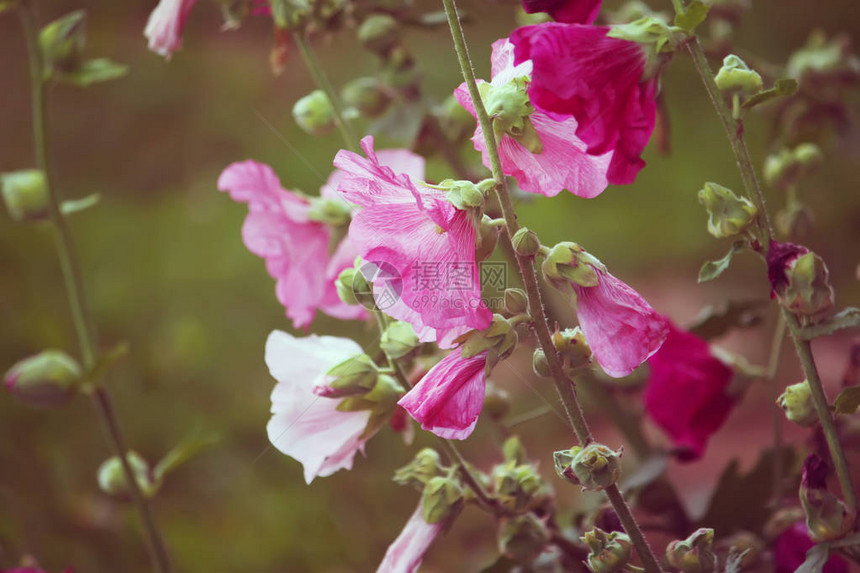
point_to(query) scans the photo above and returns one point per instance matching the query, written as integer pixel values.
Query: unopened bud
(694, 554)
(526, 242)
(398, 340)
(572, 348)
(456, 123)
(352, 377)
(379, 33)
(518, 487)
(736, 76)
(442, 499)
(112, 478)
(568, 262)
(608, 552)
(729, 214)
(516, 301)
(488, 237)
(425, 465)
(25, 193)
(497, 402)
(808, 292)
(827, 517)
(594, 467)
(796, 401)
(367, 96)
(49, 378)
(314, 113)
(62, 42)
(540, 364)
(353, 288)
(514, 450)
(522, 538)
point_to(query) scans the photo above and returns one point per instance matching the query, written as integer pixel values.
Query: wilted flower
(789, 551)
(164, 28)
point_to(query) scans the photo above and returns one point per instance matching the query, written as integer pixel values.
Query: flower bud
(609, 552)
(314, 113)
(424, 466)
(49, 378)
(694, 554)
(488, 237)
(353, 288)
(526, 242)
(572, 348)
(594, 467)
(497, 402)
(788, 165)
(509, 107)
(463, 194)
(540, 364)
(518, 487)
(809, 292)
(516, 301)
(112, 479)
(796, 401)
(379, 33)
(568, 262)
(736, 76)
(62, 42)
(398, 340)
(26, 195)
(827, 517)
(352, 377)
(729, 214)
(442, 499)
(367, 96)
(522, 538)
(454, 120)
(514, 450)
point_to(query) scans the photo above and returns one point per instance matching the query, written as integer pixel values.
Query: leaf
(692, 16)
(783, 88)
(816, 558)
(848, 318)
(715, 321)
(848, 400)
(75, 205)
(104, 362)
(92, 72)
(181, 453)
(712, 269)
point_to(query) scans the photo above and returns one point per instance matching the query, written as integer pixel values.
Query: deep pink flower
(296, 249)
(620, 326)
(164, 28)
(563, 162)
(305, 426)
(789, 551)
(405, 554)
(568, 11)
(579, 71)
(779, 259)
(686, 394)
(448, 400)
(422, 243)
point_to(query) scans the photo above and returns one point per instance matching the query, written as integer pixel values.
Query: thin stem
(563, 384)
(84, 324)
(770, 374)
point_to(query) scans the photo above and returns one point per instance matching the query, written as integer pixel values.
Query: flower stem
(83, 322)
(563, 384)
(770, 373)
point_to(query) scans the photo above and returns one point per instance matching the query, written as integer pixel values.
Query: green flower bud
(463, 194)
(788, 165)
(609, 552)
(497, 402)
(442, 499)
(522, 538)
(25, 193)
(314, 113)
(509, 107)
(736, 76)
(540, 364)
(112, 479)
(827, 517)
(808, 292)
(594, 467)
(352, 377)
(353, 288)
(379, 33)
(568, 262)
(797, 403)
(514, 450)
(729, 214)
(516, 301)
(694, 554)
(424, 466)
(49, 378)
(368, 96)
(488, 237)
(398, 340)
(518, 487)
(526, 242)
(572, 348)
(62, 42)
(456, 123)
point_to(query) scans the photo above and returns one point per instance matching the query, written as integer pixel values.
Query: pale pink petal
(407, 551)
(165, 24)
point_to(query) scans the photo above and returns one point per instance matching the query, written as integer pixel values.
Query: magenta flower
(579, 71)
(405, 554)
(687, 392)
(562, 162)
(789, 551)
(164, 28)
(780, 256)
(296, 249)
(305, 426)
(448, 400)
(568, 11)
(423, 245)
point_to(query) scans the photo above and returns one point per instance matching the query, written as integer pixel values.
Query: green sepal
(782, 88)
(712, 269)
(91, 72)
(181, 453)
(693, 15)
(76, 205)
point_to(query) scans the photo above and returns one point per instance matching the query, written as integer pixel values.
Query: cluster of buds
(594, 467)
(608, 552)
(796, 401)
(694, 554)
(728, 214)
(443, 496)
(800, 280)
(827, 517)
(518, 485)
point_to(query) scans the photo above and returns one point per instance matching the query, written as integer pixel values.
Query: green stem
(324, 84)
(563, 384)
(84, 324)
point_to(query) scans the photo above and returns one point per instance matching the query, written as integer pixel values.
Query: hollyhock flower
(405, 554)
(296, 248)
(424, 245)
(687, 392)
(448, 400)
(780, 256)
(568, 11)
(164, 28)
(790, 547)
(601, 81)
(557, 159)
(305, 426)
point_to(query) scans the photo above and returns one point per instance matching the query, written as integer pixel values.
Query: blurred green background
(167, 271)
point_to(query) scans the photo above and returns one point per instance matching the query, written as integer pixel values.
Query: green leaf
(92, 72)
(693, 15)
(848, 318)
(75, 205)
(816, 558)
(712, 269)
(715, 321)
(783, 88)
(847, 401)
(181, 453)
(104, 362)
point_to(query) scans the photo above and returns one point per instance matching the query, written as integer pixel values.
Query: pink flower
(305, 426)
(686, 394)
(423, 246)
(296, 249)
(568, 11)
(164, 28)
(563, 161)
(579, 71)
(789, 551)
(620, 326)
(448, 400)
(780, 256)
(407, 551)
